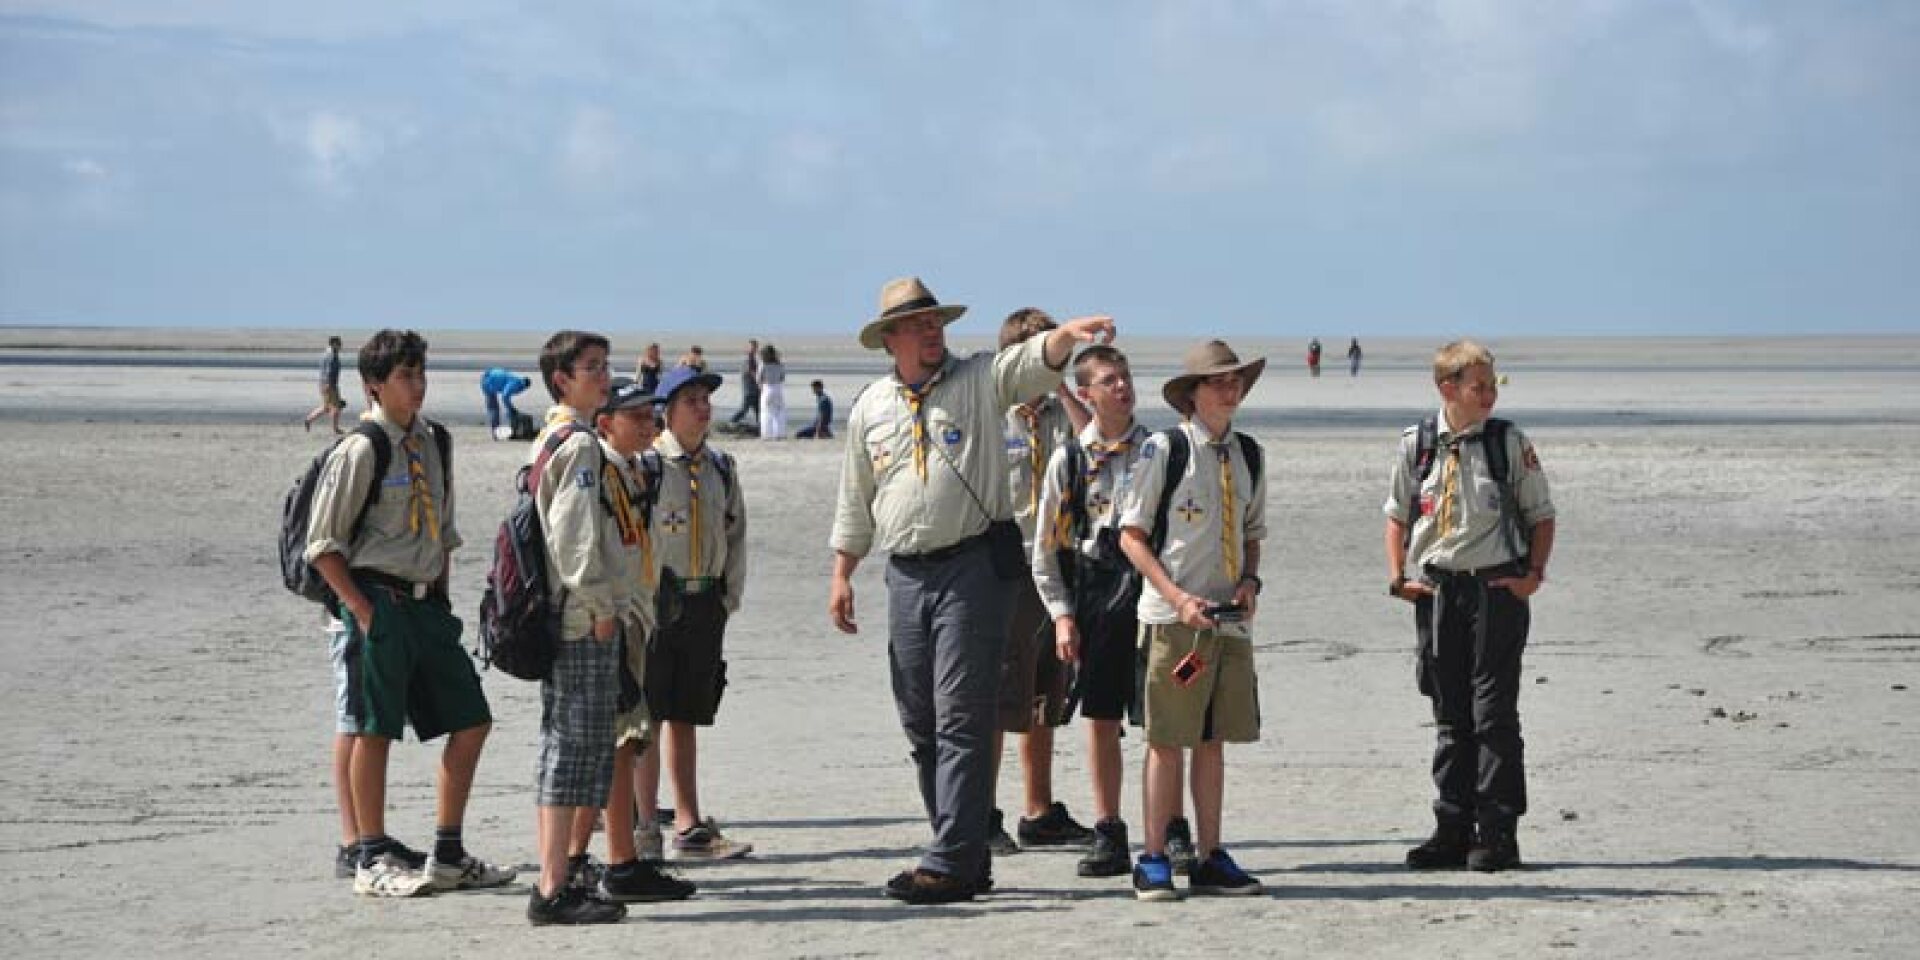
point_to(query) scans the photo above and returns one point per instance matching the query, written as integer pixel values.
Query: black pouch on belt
(1004, 547)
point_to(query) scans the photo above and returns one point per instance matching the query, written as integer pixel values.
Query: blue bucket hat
(681, 376)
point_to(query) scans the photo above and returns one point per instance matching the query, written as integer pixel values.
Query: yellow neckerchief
(627, 516)
(1443, 517)
(1098, 453)
(1228, 553)
(421, 510)
(915, 399)
(1035, 469)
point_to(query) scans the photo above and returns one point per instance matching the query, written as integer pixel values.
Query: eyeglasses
(590, 369)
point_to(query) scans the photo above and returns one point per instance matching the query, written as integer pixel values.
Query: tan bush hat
(1203, 361)
(900, 299)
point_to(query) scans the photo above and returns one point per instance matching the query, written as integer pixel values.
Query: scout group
(1133, 558)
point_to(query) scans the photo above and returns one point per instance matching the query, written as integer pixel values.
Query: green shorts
(413, 669)
(1220, 702)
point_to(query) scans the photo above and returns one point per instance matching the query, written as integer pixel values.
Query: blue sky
(1577, 166)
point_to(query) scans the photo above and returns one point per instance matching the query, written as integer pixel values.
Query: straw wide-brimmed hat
(1203, 361)
(903, 298)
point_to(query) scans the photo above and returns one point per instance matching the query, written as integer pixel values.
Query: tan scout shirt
(884, 499)
(720, 518)
(1028, 450)
(578, 526)
(1474, 541)
(387, 542)
(631, 553)
(1193, 553)
(1105, 492)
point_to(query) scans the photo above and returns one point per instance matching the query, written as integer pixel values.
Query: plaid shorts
(578, 701)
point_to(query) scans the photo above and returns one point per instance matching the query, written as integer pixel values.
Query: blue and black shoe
(1219, 876)
(1153, 878)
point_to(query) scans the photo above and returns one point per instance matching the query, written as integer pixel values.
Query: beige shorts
(1221, 703)
(636, 725)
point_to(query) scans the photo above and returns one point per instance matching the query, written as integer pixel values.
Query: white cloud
(86, 169)
(335, 147)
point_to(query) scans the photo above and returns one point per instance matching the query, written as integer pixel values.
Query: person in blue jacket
(499, 385)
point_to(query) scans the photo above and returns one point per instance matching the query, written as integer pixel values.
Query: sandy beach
(1723, 730)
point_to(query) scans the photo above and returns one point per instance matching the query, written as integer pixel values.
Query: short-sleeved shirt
(1110, 465)
(886, 501)
(330, 368)
(390, 540)
(581, 533)
(1030, 444)
(1474, 540)
(1194, 554)
(717, 514)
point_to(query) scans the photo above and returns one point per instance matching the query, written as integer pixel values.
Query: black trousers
(1471, 638)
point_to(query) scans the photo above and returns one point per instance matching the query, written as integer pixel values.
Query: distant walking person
(650, 369)
(773, 395)
(749, 385)
(1353, 358)
(822, 427)
(499, 385)
(695, 358)
(330, 402)
(1313, 357)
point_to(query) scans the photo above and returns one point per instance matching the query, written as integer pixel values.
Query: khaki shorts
(636, 725)
(1033, 687)
(1223, 701)
(330, 396)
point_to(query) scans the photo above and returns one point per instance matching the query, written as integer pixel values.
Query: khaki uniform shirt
(717, 515)
(1105, 492)
(631, 553)
(1028, 450)
(387, 541)
(582, 536)
(886, 501)
(1474, 539)
(1193, 555)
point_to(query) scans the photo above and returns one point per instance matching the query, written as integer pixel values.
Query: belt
(1508, 568)
(693, 585)
(395, 585)
(936, 556)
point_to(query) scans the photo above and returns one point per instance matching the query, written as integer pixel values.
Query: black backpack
(519, 614)
(1493, 442)
(296, 511)
(1105, 584)
(1179, 450)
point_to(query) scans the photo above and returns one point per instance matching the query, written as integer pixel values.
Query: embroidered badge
(583, 478)
(1426, 504)
(1147, 451)
(1190, 511)
(951, 437)
(880, 454)
(1098, 503)
(397, 480)
(675, 521)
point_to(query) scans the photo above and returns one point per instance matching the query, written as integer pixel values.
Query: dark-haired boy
(579, 698)
(403, 658)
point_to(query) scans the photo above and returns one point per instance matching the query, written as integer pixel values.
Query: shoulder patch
(583, 478)
(1530, 459)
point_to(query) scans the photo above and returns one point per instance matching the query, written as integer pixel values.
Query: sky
(1323, 167)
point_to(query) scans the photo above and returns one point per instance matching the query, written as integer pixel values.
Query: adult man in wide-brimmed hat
(1192, 522)
(924, 477)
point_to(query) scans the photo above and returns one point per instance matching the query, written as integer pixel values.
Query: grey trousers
(946, 621)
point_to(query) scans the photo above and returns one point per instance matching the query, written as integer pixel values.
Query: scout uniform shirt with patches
(1031, 438)
(631, 553)
(578, 527)
(900, 484)
(409, 531)
(1196, 550)
(1472, 539)
(1110, 466)
(701, 532)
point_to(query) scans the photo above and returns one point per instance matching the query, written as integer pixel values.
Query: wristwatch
(1394, 585)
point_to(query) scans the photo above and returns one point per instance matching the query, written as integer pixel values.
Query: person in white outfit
(773, 395)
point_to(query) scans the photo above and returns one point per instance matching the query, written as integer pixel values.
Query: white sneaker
(651, 841)
(471, 873)
(706, 842)
(389, 876)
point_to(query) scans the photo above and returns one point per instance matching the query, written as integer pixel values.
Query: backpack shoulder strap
(1493, 444)
(531, 474)
(443, 441)
(1178, 452)
(1426, 437)
(382, 456)
(1255, 457)
(652, 468)
(1073, 498)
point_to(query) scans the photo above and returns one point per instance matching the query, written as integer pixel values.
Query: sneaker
(651, 841)
(584, 872)
(572, 905)
(346, 861)
(998, 843)
(1496, 850)
(389, 876)
(704, 841)
(1153, 878)
(471, 873)
(1055, 828)
(663, 816)
(922, 887)
(1445, 850)
(1219, 876)
(1180, 846)
(642, 882)
(413, 859)
(1107, 857)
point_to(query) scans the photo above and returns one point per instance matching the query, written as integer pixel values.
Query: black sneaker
(1108, 855)
(1445, 850)
(584, 872)
(1180, 846)
(642, 882)
(1055, 828)
(998, 843)
(926, 887)
(1497, 849)
(572, 906)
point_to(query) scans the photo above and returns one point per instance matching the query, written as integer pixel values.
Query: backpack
(519, 615)
(1179, 450)
(296, 511)
(1493, 442)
